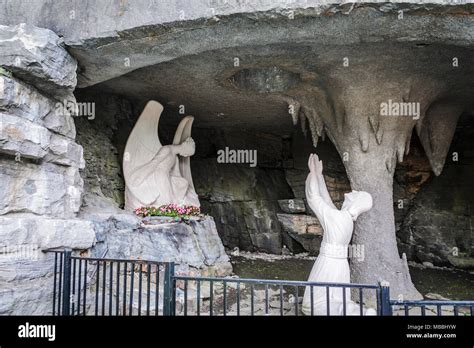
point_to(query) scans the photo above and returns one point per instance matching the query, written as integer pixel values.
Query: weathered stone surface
(26, 276)
(196, 244)
(64, 151)
(45, 233)
(292, 206)
(22, 137)
(300, 224)
(45, 189)
(248, 225)
(243, 201)
(305, 230)
(38, 57)
(103, 140)
(19, 99)
(438, 225)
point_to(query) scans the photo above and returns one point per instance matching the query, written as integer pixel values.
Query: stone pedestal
(193, 245)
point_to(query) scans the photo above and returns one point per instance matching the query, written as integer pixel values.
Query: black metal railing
(102, 286)
(105, 286)
(238, 296)
(438, 308)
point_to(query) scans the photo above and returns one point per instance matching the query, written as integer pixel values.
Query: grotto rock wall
(40, 161)
(438, 224)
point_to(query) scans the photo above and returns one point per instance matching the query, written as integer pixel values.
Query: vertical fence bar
(385, 306)
(173, 295)
(60, 284)
(148, 290)
(211, 300)
(124, 312)
(266, 299)
(97, 286)
(132, 281)
(238, 298)
(111, 270)
(157, 288)
(140, 279)
(67, 282)
(168, 289)
(344, 305)
(104, 276)
(252, 306)
(281, 300)
(328, 309)
(54, 282)
(79, 288)
(73, 293)
(225, 298)
(85, 289)
(117, 290)
(198, 297)
(185, 304)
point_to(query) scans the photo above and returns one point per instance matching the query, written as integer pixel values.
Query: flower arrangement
(172, 210)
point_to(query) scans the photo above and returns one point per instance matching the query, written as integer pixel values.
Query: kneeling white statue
(154, 174)
(332, 265)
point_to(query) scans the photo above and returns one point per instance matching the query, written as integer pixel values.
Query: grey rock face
(43, 189)
(26, 269)
(46, 233)
(292, 206)
(22, 100)
(38, 57)
(438, 226)
(20, 136)
(40, 172)
(23, 138)
(195, 244)
(304, 229)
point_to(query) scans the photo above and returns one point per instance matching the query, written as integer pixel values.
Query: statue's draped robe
(159, 182)
(332, 265)
(154, 174)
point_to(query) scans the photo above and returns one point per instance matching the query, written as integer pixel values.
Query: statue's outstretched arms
(316, 191)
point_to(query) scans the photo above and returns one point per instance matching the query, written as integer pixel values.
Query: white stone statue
(155, 174)
(332, 265)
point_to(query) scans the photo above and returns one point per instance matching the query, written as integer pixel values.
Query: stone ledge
(27, 139)
(45, 233)
(194, 244)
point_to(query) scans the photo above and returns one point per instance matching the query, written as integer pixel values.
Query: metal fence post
(386, 308)
(168, 290)
(66, 295)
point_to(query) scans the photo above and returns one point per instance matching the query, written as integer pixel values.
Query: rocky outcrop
(41, 190)
(194, 245)
(41, 160)
(38, 57)
(26, 267)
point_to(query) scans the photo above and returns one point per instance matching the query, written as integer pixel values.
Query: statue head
(187, 147)
(357, 202)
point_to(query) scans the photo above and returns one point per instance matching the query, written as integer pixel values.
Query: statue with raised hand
(332, 265)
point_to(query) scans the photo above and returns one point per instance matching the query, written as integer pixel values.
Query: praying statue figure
(332, 265)
(154, 174)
